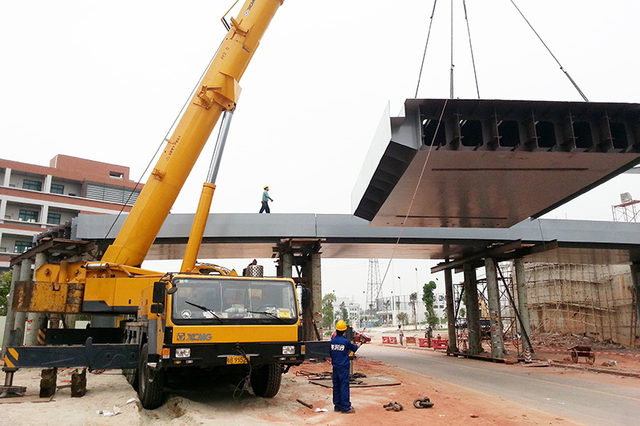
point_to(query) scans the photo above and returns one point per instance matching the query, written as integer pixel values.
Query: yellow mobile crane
(202, 316)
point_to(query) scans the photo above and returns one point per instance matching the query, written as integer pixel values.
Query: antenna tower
(373, 288)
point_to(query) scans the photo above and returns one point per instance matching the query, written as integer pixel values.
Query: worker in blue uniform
(341, 348)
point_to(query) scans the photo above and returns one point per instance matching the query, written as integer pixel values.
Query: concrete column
(21, 317)
(473, 314)
(316, 294)
(3, 209)
(451, 313)
(44, 214)
(523, 304)
(11, 315)
(47, 184)
(285, 265)
(635, 277)
(493, 294)
(7, 177)
(36, 320)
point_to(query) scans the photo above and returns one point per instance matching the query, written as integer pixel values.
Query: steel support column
(11, 315)
(493, 294)
(304, 254)
(21, 317)
(473, 312)
(451, 313)
(316, 294)
(523, 304)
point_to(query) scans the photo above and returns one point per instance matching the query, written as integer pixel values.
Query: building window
(28, 215)
(56, 188)
(33, 185)
(116, 175)
(21, 246)
(54, 218)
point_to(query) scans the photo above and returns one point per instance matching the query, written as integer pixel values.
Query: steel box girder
(491, 163)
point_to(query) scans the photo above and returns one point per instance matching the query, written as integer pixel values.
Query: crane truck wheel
(265, 380)
(150, 383)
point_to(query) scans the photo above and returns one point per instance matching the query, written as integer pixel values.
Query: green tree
(413, 299)
(328, 317)
(386, 304)
(344, 314)
(428, 297)
(433, 320)
(5, 286)
(403, 318)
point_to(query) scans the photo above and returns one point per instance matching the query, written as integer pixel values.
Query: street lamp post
(399, 296)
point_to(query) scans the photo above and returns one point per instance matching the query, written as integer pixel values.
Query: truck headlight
(183, 352)
(288, 350)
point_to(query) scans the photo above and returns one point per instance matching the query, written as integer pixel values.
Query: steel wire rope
(473, 60)
(575, 85)
(413, 198)
(175, 120)
(424, 54)
(452, 64)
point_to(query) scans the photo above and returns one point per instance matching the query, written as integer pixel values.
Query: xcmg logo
(194, 337)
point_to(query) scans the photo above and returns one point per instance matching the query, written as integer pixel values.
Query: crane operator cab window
(233, 301)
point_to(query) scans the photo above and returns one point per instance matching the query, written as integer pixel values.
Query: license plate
(236, 360)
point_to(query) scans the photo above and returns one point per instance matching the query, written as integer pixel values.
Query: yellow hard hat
(341, 326)
(266, 186)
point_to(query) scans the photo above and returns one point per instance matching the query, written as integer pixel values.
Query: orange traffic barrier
(411, 340)
(385, 339)
(439, 343)
(393, 340)
(423, 343)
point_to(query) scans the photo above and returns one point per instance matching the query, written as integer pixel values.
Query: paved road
(570, 396)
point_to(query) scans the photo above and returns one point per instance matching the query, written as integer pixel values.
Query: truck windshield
(233, 301)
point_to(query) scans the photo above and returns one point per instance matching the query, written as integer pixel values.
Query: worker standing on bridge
(341, 347)
(265, 200)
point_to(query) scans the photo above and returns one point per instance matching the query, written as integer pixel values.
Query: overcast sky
(105, 80)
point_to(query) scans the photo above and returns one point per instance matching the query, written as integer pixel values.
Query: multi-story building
(353, 309)
(388, 308)
(34, 198)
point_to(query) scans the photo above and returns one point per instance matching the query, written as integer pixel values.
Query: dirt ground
(214, 403)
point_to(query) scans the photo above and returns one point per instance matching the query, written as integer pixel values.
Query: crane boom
(219, 92)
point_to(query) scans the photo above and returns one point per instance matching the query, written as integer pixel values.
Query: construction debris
(393, 406)
(423, 403)
(305, 404)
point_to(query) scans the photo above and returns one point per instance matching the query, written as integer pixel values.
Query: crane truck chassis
(202, 316)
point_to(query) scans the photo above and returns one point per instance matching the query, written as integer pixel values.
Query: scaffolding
(590, 300)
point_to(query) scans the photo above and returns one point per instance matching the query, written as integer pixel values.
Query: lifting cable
(551, 53)
(473, 60)
(452, 64)
(424, 55)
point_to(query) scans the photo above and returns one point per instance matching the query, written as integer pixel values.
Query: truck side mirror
(159, 290)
